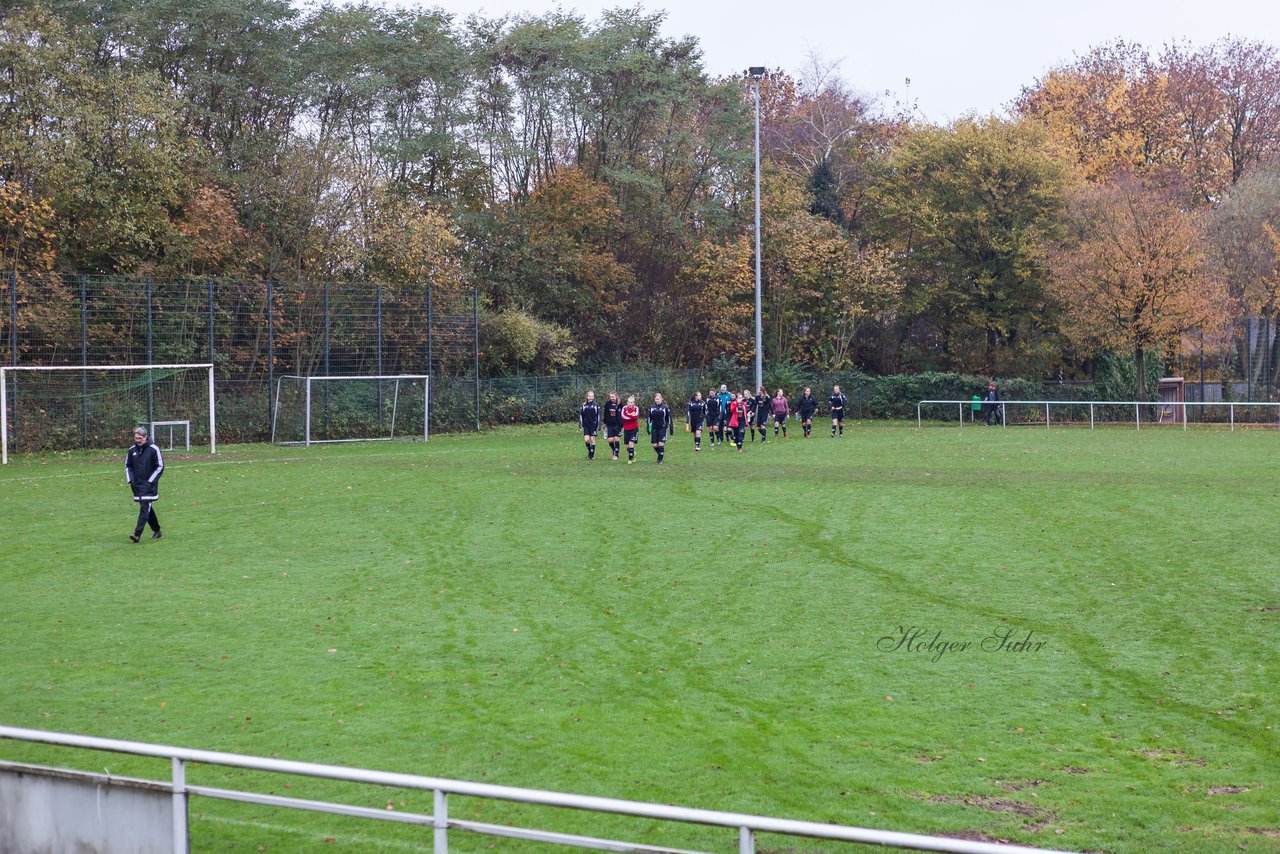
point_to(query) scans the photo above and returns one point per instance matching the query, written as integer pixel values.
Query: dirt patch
(1175, 756)
(1022, 784)
(1269, 832)
(1228, 790)
(1269, 609)
(1072, 770)
(999, 805)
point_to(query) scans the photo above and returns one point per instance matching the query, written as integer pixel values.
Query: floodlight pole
(756, 73)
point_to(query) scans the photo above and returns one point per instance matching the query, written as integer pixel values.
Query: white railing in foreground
(747, 826)
(1136, 404)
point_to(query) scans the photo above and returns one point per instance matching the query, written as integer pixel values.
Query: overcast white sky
(960, 56)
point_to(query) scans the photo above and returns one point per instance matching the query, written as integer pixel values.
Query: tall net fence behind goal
(93, 406)
(311, 410)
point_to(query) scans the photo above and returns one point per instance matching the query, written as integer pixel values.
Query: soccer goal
(318, 410)
(93, 406)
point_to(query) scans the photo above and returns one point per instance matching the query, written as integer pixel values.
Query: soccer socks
(631, 453)
(841, 429)
(784, 431)
(591, 450)
(833, 431)
(661, 450)
(697, 442)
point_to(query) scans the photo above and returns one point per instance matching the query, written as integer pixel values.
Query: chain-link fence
(253, 330)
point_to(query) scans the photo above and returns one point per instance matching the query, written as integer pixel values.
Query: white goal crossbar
(395, 401)
(4, 391)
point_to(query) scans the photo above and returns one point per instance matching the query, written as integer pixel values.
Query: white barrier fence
(1177, 411)
(746, 826)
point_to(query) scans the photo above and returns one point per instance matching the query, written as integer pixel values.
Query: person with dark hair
(738, 420)
(715, 414)
(764, 405)
(589, 422)
(806, 406)
(696, 414)
(630, 427)
(660, 423)
(752, 415)
(613, 422)
(143, 465)
(780, 412)
(838, 403)
(990, 404)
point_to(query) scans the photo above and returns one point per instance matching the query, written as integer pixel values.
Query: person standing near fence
(630, 427)
(714, 414)
(991, 404)
(589, 421)
(613, 422)
(838, 403)
(660, 424)
(805, 407)
(696, 414)
(143, 465)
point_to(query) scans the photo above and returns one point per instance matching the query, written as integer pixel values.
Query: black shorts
(659, 435)
(695, 425)
(838, 416)
(613, 431)
(806, 417)
(589, 429)
(779, 418)
(629, 436)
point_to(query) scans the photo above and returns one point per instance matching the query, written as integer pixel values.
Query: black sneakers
(134, 537)
(157, 535)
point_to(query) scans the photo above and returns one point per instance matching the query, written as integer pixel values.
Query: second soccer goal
(316, 410)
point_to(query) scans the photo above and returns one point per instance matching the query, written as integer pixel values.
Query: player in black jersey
(714, 414)
(697, 413)
(805, 407)
(613, 423)
(589, 421)
(838, 403)
(660, 423)
(750, 401)
(763, 408)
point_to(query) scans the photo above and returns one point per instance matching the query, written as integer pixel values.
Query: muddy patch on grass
(1019, 785)
(1177, 757)
(1073, 770)
(1228, 790)
(998, 805)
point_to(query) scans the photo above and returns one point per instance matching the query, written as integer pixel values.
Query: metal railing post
(746, 841)
(1231, 410)
(962, 415)
(1046, 416)
(440, 821)
(1137, 416)
(1091, 415)
(919, 421)
(181, 842)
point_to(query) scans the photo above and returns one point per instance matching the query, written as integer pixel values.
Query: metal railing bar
(443, 787)
(555, 838)
(309, 805)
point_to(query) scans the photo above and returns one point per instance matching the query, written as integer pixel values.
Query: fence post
(1090, 415)
(1137, 416)
(1231, 410)
(746, 841)
(13, 343)
(428, 371)
(440, 821)
(377, 314)
(181, 842)
(325, 391)
(271, 349)
(212, 350)
(151, 385)
(84, 359)
(475, 313)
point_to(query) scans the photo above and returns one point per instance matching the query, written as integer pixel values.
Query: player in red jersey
(630, 427)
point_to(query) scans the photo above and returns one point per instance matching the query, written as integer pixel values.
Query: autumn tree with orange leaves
(1132, 273)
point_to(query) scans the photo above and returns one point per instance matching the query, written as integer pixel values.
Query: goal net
(311, 410)
(95, 406)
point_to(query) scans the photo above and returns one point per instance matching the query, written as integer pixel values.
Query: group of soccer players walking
(724, 416)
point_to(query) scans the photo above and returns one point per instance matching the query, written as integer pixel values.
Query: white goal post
(5, 372)
(307, 433)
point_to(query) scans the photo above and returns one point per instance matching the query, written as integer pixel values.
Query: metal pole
(759, 328)
(271, 350)
(1231, 410)
(428, 371)
(151, 385)
(4, 418)
(307, 440)
(1091, 415)
(475, 309)
(377, 308)
(326, 355)
(84, 359)
(13, 317)
(213, 416)
(1046, 416)
(746, 841)
(440, 821)
(919, 422)
(1137, 417)
(212, 351)
(181, 844)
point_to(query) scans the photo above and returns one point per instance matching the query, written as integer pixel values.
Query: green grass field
(721, 631)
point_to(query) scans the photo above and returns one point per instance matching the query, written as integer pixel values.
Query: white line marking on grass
(344, 837)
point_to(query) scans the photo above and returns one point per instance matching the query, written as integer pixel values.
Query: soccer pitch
(815, 629)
